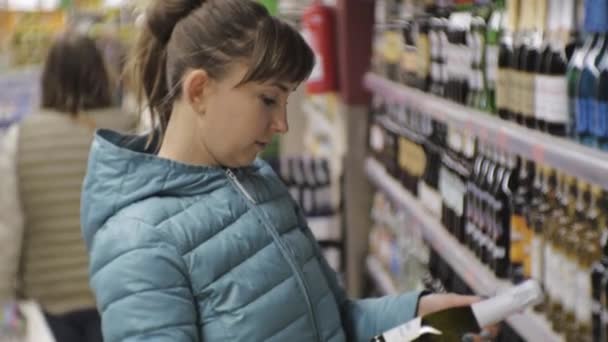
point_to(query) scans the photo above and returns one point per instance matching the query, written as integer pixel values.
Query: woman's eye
(268, 101)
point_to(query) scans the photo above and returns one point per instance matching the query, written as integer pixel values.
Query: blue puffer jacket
(190, 253)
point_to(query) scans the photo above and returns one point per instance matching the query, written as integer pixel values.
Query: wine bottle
(493, 38)
(600, 122)
(519, 229)
(555, 117)
(597, 12)
(555, 207)
(529, 54)
(502, 233)
(542, 67)
(423, 49)
(505, 55)
(575, 67)
(563, 304)
(451, 324)
(436, 56)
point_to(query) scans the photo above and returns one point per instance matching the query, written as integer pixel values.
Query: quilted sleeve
(365, 318)
(140, 282)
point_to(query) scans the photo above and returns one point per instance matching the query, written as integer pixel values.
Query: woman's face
(239, 122)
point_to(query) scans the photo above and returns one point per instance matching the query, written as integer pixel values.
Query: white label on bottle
(502, 88)
(583, 295)
(537, 257)
(491, 65)
(553, 273)
(376, 138)
(540, 97)
(469, 146)
(499, 252)
(430, 198)
(469, 229)
(568, 279)
(555, 91)
(527, 94)
(409, 331)
(460, 190)
(434, 40)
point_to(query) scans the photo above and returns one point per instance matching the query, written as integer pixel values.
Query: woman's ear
(195, 90)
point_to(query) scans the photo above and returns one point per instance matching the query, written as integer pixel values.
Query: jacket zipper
(284, 251)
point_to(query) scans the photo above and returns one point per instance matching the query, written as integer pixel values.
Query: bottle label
(435, 72)
(391, 47)
(468, 146)
(601, 121)
(527, 94)
(424, 58)
(409, 331)
(411, 157)
(541, 94)
(502, 88)
(517, 238)
(459, 194)
(569, 283)
(409, 60)
(376, 138)
(584, 108)
(491, 65)
(555, 92)
(435, 48)
(515, 91)
(583, 295)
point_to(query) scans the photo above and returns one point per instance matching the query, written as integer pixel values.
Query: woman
(53, 148)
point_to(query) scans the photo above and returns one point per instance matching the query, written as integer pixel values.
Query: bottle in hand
(452, 323)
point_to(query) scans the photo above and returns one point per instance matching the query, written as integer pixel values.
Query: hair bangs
(279, 54)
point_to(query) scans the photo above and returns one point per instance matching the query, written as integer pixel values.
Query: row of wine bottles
(540, 63)
(310, 183)
(411, 264)
(522, 220)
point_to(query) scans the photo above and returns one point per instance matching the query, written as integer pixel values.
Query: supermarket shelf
(383, 280)
(577, 160)
(528, 324)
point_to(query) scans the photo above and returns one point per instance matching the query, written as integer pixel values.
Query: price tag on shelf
(502, 139)
(538, 154)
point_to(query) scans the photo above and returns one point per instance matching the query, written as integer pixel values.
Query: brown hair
(211, 34)
(75, 77)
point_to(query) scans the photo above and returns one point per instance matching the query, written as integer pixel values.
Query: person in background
(193, 238)
(52, 151)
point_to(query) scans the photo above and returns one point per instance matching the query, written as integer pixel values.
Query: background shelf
(529, 325)
(568, 156)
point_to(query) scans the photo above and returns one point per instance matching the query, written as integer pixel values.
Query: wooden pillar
(355, 20)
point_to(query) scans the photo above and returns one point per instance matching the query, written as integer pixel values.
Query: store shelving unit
(383, 280)
(529, 325)
(568, 156)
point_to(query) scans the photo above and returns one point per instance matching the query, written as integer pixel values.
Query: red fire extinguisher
(318, 28)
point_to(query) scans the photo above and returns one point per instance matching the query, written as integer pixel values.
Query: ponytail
(149, 61)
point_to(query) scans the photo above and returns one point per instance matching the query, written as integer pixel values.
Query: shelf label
(502, 139)
(538, 153)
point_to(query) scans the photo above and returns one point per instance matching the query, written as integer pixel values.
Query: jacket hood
(121, 171)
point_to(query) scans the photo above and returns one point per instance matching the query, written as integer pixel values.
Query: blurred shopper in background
(53, 148)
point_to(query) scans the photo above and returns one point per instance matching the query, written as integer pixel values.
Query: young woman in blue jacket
(191, 237)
